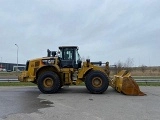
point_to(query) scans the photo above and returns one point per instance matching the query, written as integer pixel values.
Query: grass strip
(83, 84)
(17, 84)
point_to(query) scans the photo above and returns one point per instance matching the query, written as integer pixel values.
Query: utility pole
(17, 56)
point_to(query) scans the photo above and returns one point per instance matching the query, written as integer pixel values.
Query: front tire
(96, 82)
(48, 82)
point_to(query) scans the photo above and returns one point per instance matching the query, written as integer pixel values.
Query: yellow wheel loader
(65, 68)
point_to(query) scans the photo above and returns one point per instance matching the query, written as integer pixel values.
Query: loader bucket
(124, 83)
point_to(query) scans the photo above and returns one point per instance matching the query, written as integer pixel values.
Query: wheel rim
(97, 82)
(48, 82)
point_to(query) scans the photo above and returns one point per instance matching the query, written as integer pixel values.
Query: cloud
(103, 30)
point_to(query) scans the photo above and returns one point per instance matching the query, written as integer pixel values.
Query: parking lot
(27, 103)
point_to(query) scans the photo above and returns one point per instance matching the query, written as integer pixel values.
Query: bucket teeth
(130, 87)
(124, 83)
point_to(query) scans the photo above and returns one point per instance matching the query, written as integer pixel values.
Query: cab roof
(60, 47)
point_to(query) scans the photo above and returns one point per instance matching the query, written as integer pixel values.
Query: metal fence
(9, 80)
(147, 79)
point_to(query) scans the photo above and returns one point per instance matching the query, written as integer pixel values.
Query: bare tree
(143, 68)
(119, 66)
(127, 65)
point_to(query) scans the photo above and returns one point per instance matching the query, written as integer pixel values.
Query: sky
(104, 30)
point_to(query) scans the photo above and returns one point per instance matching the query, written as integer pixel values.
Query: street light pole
(17, 56)
(1, 63)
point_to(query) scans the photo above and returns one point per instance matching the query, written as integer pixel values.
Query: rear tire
(96, 82)
(48, 83)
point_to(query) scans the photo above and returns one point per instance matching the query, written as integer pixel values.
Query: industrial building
(11, 67)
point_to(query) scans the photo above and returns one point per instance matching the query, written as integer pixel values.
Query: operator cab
(69, 57)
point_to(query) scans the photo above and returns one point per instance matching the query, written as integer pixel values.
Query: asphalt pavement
(76, 103)
(20, 100)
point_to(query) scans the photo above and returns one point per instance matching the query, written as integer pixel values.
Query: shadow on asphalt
(82, 90)
(21, 100)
